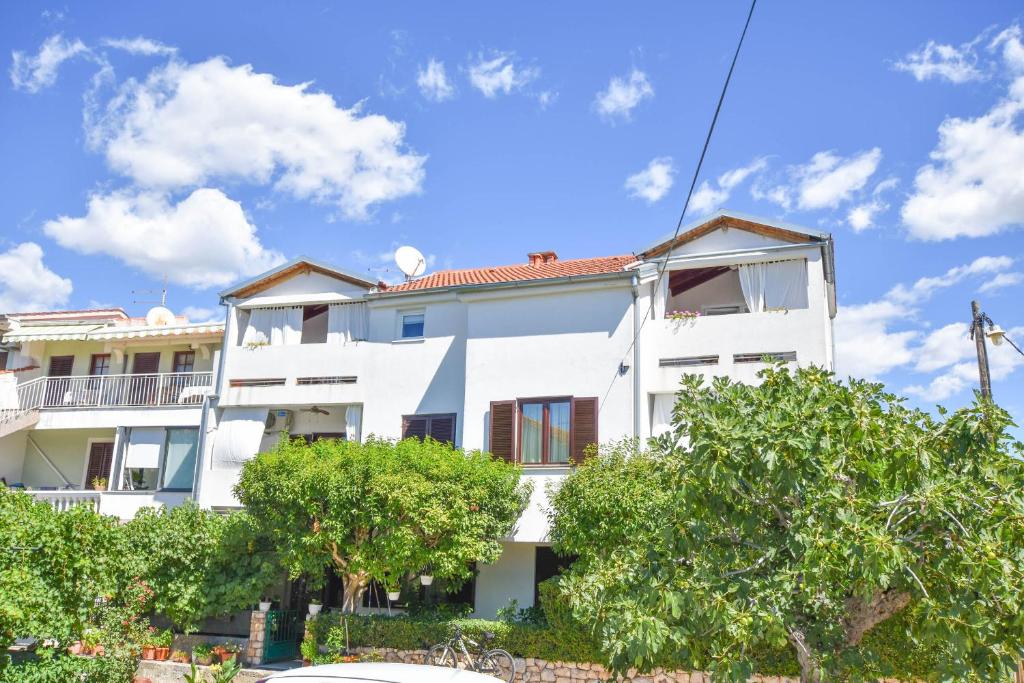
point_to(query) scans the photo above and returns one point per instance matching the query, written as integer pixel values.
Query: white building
(532, 362)
(98, 408)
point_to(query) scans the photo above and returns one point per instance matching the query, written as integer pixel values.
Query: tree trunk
(353, 587)
(810, 661)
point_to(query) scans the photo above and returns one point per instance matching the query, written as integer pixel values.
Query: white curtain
(354, 423)
(238, 437)
(144, 447)
(661, 416)
(276, 326)
(346, 323)
(774, 286)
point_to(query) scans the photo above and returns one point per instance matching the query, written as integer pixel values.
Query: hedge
(564, 639)
(51, 667)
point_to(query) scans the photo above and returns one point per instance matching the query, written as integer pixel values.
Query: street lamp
(996, 334)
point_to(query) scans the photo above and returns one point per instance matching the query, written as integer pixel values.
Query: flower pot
(306, 662)
(226, 656)
(142, 679)
(314, 609)
(162, 654)
(179, 658)
(205, 660)
(265, 606)
(99, 651)
(394, 595)
(148, 652)
(75, 648)
(426, 579)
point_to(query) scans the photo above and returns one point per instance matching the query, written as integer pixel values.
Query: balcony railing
(111, 391)
(64, 500)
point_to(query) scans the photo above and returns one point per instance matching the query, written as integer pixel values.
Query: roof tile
(517, 273)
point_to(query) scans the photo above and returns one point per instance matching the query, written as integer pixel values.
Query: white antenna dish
(158, 315)
(410, 261)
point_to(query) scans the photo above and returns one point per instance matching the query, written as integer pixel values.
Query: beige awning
(28, 333)
(50, 332)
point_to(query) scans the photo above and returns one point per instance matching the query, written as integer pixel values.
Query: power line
(693, 183)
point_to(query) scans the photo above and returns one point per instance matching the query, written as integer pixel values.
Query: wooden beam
(722, 222)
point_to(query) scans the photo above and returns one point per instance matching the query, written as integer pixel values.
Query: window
(100, 364)
(184, 361)
(440, 427)
(411, 325)
(546, 564)
(543, 431)
(179, 466)
(3, 360)
(314, 324)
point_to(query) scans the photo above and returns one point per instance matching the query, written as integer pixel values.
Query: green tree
(199, 563)
(804, 513)
(381, 510)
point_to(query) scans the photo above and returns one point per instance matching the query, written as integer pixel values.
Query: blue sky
(207, 141)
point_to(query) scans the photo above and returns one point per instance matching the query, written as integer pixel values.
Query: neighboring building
(96, 395)
(533, 362)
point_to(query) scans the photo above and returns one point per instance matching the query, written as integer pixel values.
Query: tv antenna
(410, 261)
(151, 292)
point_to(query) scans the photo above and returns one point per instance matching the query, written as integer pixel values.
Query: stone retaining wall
(533, 670)
(169, 672)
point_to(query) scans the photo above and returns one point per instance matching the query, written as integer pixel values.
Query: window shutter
(503, 423)
(101, 456)
(442, 428)
(584, 427)
(413, 426)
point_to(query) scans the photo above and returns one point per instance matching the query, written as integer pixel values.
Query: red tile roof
(517, 273)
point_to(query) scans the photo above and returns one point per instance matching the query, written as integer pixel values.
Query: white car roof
(381, 672)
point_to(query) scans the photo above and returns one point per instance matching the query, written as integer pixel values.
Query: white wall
(510, 578)
(12, 456)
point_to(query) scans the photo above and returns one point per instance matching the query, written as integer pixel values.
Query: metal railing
(109, 391)
(65, 500)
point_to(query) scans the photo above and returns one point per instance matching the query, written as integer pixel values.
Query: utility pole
(978, 334)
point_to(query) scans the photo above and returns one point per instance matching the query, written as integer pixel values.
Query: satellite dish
(410, 261)
(158, 315)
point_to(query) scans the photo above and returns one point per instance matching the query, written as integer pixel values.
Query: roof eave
(510, 284)
(340, 273)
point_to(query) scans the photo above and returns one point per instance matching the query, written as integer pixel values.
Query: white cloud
(1000, 281)
(708, 197)
(943, 347)
(865, 344)
(26, 284)
(200, 314)
(186, 125)
(205, 240)
(877, 337)
(652, 183)
(862, 216)
(500, 74)
(546, 98)
(140, 46)
(32, 73)
(433, 82)
(973, 186)
(956, 64)
(824, 182)
(623, 95)
(925, 287)
(1003, 361)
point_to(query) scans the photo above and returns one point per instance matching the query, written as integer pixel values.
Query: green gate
(282, 634)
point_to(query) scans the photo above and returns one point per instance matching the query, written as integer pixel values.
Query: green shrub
(51, 667)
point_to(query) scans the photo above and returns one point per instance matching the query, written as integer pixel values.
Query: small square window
(412, 325)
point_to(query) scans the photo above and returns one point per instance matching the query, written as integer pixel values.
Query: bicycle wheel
(442, 655)
(497, 663)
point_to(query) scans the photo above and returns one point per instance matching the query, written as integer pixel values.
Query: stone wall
(168, 672)
(533, 670)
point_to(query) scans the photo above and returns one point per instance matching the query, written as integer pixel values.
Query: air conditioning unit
(279, 420)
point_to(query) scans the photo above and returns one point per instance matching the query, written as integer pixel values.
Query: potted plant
(308, 649)
(394, 595)
(90, 641)
(75, 648)
(314, 607)
(427, 577)
(203, 654)
(179, 657)
(162, 643)
(99, 483)
(228, 652)
(265, 605)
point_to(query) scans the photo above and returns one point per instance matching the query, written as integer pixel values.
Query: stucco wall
(67, 449)
(510, 578)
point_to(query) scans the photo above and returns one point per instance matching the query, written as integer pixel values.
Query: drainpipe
(636, 358)
(208, 400)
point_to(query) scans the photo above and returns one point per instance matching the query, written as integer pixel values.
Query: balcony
(65, 500)
(85, 392)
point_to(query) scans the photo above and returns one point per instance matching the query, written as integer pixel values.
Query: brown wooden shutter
(146, 363)
(60, 366)
(101, 455)
(584, 427)
(414, 426)
(503, 429)
(442, 428)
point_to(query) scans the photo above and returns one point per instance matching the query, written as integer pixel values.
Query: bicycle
(493, 662)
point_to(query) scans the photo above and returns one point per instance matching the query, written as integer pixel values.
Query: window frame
(107, 359)
(546, 401)
(175, 363)
(400, 324)
(430, 417)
